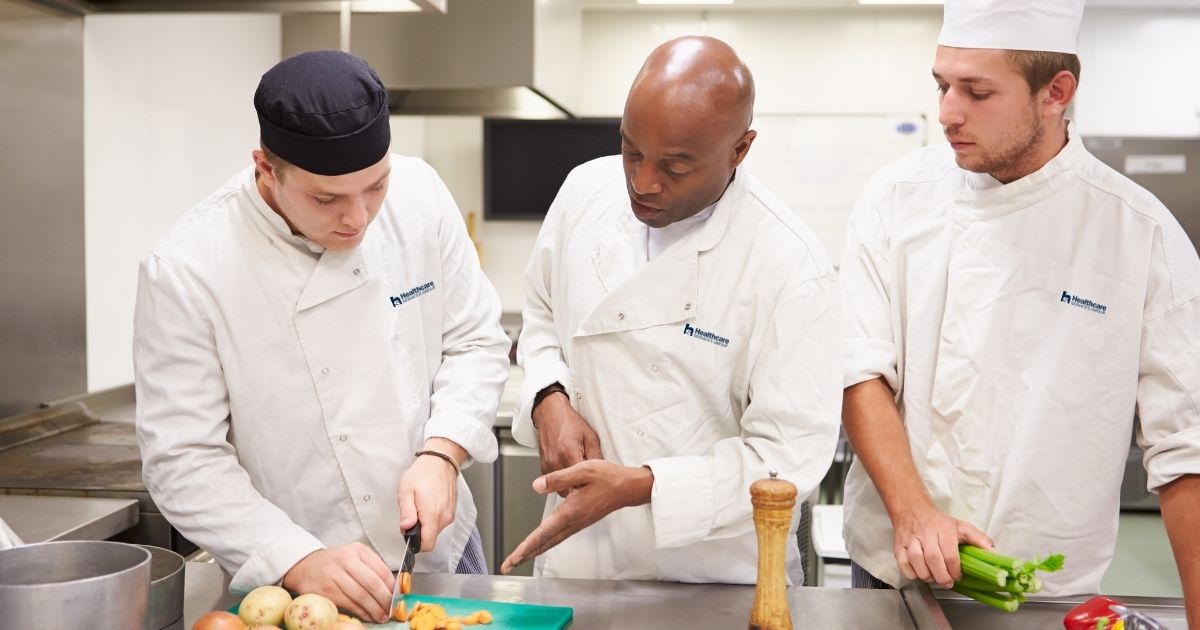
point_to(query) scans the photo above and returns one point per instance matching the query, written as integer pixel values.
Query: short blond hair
(277, 163)
(1040, 67)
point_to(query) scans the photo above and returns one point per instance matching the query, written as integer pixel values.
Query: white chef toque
(1044, 25)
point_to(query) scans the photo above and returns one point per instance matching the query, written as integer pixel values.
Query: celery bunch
(1000, 581)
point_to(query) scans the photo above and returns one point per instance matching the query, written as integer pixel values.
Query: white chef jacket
(713, 363)
(282, 394)
(1020, 325)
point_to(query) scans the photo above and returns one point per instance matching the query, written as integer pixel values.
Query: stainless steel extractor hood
(516, 58)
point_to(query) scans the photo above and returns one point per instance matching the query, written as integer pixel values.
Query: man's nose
(644, 181)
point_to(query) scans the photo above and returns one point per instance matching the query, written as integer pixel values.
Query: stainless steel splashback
(42, 320)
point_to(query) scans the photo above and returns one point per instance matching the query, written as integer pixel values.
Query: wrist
(437, 454)
(910, 507)
(546, 399)
(638, 485)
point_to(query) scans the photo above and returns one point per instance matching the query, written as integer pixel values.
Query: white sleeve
(539, 350)
(1168, 398)
(188, 464)
(869, 341)
(467, 386)
(791, 426)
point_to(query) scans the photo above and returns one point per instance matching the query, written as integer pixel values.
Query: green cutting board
(505, 616)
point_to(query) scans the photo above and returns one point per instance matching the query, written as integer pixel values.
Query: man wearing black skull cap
(317, 353)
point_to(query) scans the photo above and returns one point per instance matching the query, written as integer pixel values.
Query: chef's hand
(429, 491)
(598, 488)
(353, 576)
(926, 544)
(564, 437)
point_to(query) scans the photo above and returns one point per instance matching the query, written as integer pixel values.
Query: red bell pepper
(1094, 614)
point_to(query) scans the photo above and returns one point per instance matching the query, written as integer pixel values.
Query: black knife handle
(412, 538)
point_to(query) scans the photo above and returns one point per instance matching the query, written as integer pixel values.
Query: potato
(266, 628)
(310, 612)
(346, 625)
(219, 620)
(264, 606)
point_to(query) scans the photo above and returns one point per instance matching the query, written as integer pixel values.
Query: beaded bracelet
(449, 460)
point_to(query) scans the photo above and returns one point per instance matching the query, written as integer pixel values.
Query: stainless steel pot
(166, 589)
(75, 584)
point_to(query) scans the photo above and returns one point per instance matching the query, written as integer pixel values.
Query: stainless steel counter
(1046, 613)
(40, 518)
(603, 604)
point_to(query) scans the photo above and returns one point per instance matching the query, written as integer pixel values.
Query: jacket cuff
(682, 501)
(537, 378)
(475, 437)
(867, 359)
(1172, 458)
(269, 564)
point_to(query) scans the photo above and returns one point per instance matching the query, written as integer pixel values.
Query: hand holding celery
(1000, 581)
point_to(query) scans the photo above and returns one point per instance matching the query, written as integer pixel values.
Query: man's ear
(1057, 94)
(265, 170)
(743, 147)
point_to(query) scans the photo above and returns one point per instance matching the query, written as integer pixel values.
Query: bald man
(679, 342)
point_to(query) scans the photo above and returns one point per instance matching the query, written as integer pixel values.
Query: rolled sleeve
(868, 347)
(1169, 395)
(475, 437)
(269, 564)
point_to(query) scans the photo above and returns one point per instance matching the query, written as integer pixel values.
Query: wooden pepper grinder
(773, 500)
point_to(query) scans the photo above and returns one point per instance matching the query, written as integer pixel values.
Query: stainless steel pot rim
(77, 543)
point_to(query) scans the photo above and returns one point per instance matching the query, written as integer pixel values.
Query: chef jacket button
(687, 307)
(653, 367)
(641, 433)
(395, 337)
(366, 498)
(620, 317)
(356, 271)
(343, 438)
(578, 396)
(325, 370)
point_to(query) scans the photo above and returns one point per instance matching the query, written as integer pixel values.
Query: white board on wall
(818, 164)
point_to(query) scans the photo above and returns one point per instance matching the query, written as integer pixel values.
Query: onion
(219, 620)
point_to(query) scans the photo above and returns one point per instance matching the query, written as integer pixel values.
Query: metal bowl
(72, 584)
(166, 589)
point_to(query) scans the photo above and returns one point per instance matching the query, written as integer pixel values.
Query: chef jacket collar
(981, 196)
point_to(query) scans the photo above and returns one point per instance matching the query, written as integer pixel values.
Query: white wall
(1141, 73)
(168, 118)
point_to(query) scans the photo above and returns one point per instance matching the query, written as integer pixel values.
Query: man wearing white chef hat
(1011, 302)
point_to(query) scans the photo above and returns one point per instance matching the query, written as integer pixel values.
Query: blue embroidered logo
(412, 294)
(698, 333)
(1088, 305)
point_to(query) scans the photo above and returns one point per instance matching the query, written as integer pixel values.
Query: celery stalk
(975, 567)
(995, 600)
(990, 557)
(977, 584)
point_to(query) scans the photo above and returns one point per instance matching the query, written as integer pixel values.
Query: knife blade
(395, 594)
(412, 544)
